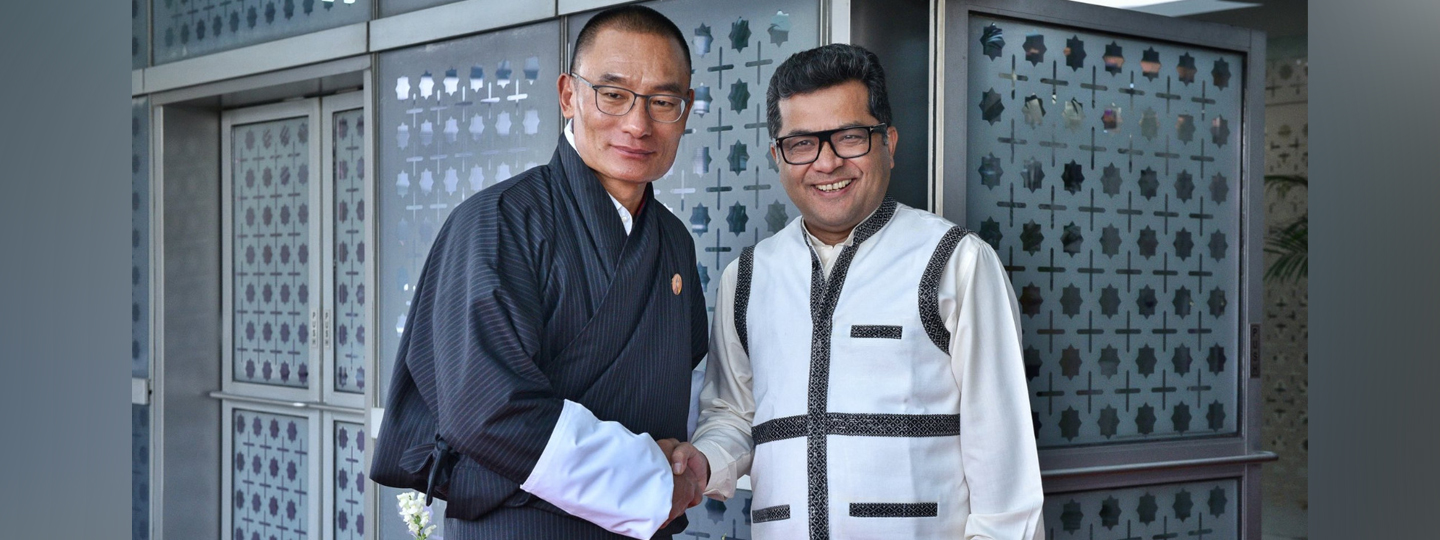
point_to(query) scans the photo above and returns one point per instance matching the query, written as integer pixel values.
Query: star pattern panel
(270, 464)
(351, 255)
(455, 117)
(271, 258)
(714, 519)
(724, 183)
(1110, 189)
(189, 28)
(139, 33)
(1196, 510)
(390, 8)
(140, 472)
(349, 478)
(140, 238)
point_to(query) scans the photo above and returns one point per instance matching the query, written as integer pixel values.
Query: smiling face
(630, 150)
(833, 194)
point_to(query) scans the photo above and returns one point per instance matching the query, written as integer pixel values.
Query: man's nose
(827, 160)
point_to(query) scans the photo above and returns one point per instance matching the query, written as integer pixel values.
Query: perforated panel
(349, 478)
(455, 117)
(140, 238)
(189, 28)
(724, 183)
(139, 472)
(270, 464)
(351, 213)
(271, 252)
(1195, 510)
(1104, 170)
(139, 33)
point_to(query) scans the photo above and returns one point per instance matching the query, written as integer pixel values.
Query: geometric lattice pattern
(716, 519)
(1195, 510)
(270, 468)
(189, 28)
(350, 254)
(723, 183)
(140, 472)
(271, 257)
(390, 8)
(1105, 172)
(139, 33)
(1287, 328)
(140, 238)
(455, 117)
(349, 477)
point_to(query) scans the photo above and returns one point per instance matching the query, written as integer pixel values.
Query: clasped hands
(692, 473)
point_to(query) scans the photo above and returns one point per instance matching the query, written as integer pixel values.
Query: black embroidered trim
(894, 510)
(824, 294)
(773, 513)
(860, 425)
(875, 331)
(742, 296)
(930, 288)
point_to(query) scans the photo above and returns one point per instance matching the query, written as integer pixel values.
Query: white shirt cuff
(602, 473)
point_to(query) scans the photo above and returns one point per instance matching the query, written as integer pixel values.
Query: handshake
(692, 473)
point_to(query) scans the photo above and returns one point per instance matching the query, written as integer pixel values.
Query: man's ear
(566, 89)
(894, 136)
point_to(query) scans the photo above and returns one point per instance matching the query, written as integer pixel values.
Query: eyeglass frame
(825, 137)
(684, 102)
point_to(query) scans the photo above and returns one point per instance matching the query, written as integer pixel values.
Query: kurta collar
(867, 227)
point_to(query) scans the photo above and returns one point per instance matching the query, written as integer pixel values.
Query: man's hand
(690, 477)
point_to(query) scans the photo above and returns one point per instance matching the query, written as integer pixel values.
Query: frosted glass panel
(723, 183)
(189, 28)
(455, 117)
(139, 472)
(270, 457)
(139, 33)
(1104, 170)
(390, 8)
(1191, 510)
(271, 257)
(351, 254)
(140, 238)
(349, 478)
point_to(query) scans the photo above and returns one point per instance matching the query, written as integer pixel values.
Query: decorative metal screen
(270, 464)
(349, 478)
(390, 8)
(271, 256)
(351, 211)
(140, 238)
(1196, 510)
(140, 313)
(455, 117)
(1104, 170)
(716, 519)
(724, 183)
(139, 33)
(190, 28)
(139, 472)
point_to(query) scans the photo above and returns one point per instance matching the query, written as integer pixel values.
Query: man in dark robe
(558, 318)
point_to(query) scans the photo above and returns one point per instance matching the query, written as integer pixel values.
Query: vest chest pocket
(894, 510)
(872, 331)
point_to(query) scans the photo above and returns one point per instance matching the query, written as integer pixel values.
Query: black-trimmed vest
(857, 431)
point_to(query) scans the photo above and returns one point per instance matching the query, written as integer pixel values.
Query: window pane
(349, 478)
(351, 212)
(1114, 202)
(190, 28)
(1191, 510)
(270, 463)
(271, 258)
(140, 238)
(140, 472)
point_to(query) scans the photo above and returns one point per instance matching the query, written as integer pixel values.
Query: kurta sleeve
(997, 440)
(727, 401)
(483, 305)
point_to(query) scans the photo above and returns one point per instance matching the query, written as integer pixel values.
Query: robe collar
(595, 205)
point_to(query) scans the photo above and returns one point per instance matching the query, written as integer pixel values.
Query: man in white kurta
(865, 365)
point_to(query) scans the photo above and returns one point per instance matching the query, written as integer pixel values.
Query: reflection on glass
(1186, 69)
(1034, 110)
(1114, 59)
(1074, 53)
(1034, 49)
(1111, 118)
(993, 41)
(1150, 63)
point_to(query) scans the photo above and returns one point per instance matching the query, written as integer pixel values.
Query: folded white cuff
(602, 473)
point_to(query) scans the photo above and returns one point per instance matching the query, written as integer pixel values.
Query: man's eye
(614, 96)
(663, 103)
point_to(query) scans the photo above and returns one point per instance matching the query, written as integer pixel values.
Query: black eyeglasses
(849, 142)
(617, 101)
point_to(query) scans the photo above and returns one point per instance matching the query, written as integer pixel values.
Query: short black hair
(824, 67)
(631, 18)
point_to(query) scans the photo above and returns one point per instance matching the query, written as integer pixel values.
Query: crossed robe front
(544, 351)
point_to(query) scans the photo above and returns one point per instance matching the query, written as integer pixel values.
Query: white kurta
(917, 441)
